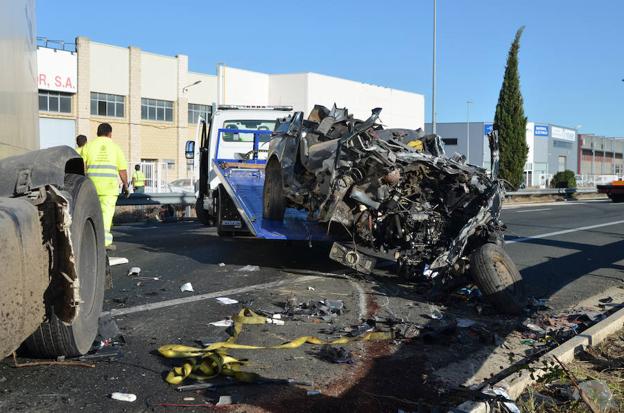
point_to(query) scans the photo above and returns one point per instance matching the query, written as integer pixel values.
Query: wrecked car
(393, 193)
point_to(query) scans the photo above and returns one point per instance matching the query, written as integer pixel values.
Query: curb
(515, 384)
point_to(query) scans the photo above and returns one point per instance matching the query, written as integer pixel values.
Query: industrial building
(600, 155)
(552, 148)
(153, 101)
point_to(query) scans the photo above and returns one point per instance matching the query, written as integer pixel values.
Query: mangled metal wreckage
(393, 191)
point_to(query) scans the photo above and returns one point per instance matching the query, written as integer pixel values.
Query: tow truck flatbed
(243, 180)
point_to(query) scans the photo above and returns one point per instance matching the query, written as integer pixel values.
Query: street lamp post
(186, 88)
(468, 103)
(433, 86)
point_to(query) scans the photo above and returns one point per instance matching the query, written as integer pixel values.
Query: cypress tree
(510, 120)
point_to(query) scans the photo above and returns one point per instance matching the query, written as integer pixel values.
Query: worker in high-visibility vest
(104, 162)
(81, 141)
(138, 180)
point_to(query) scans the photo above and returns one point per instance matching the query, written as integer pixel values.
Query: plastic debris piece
(187, 287)
(599, 392)
(335, 306)
(338, 355)
(224, 401)
(249, 268)
(311, 288)
(134, 271)
(528, 342)
(435, 314)
(117, 261)
(465, 322)
(313, 392)
(277, 316)
(498, 391)
(123, 397)
(606, 300)
(189, 399)
(221, 264)
(274, 321)
(223, 323)
(535, 328)
(361, 329)
(226, 300)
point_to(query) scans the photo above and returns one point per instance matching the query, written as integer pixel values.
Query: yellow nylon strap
(211, 361)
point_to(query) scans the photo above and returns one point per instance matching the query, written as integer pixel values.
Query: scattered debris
(249, 268)
(221, 264)
(606, 300)
(124, 397)
(224, 401)
(186, 287)
(499, 392)
(435, 314)
(465, 322)
(599, 393)
(189, 399)
(326, 310)
(108, 332)
(226, 300)
(223, 323)
(117, 261)
(311, 288)
(134, 271)
(338, 355)
(313, 393)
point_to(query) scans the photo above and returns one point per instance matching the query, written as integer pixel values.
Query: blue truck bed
(244, 185)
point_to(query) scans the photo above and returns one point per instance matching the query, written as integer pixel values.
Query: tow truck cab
(236, 133)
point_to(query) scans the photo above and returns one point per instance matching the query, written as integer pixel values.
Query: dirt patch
(602, 364)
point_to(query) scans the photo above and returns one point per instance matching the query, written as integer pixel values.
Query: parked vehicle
(51, 234)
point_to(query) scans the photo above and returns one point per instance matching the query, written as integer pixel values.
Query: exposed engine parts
(392, 191)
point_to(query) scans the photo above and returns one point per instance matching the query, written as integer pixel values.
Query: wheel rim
(87, 267)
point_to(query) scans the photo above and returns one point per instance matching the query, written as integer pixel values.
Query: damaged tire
(498, 278)
(273, 192)
(54, 337)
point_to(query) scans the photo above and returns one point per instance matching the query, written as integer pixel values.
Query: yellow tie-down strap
(211, 361)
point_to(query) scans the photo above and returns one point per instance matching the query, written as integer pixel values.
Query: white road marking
(565, 231)
(559, 203)
(534, 210)
(177, 301)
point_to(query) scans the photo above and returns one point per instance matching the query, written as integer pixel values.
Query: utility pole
(468, 103)
(433, 92)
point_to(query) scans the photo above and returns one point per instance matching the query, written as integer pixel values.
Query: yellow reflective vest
(138, 178)
(103, 160)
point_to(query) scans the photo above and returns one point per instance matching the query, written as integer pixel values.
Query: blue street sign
(540, 130)
(487, 128)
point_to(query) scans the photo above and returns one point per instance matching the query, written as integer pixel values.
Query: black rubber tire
(54, 338)
(498, 278)
(273, 201)
(221, 206)
(617, 198)
(202, 215)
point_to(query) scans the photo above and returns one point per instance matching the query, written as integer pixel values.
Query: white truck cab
(217, 138)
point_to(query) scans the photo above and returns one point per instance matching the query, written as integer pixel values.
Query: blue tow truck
(231, 148)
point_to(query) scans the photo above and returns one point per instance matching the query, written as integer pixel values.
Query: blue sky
(571, 58)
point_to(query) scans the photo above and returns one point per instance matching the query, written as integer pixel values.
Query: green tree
(510, 120)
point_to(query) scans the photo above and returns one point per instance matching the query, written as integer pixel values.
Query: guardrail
(552, 191)
(175, 198)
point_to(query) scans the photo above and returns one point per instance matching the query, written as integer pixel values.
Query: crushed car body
(392, 191)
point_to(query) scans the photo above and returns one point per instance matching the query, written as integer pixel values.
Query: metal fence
(156, 176)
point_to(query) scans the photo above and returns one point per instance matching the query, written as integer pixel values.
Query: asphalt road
(567, 253)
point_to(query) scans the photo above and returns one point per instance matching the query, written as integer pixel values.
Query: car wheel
(54, 337)
(273, 192)
(498, 278)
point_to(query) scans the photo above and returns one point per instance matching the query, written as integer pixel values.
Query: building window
(195, 111)
(54, 101)
(104, 104)
(154, 109)
(450, 141)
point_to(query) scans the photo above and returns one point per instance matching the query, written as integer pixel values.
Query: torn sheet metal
(388, 190)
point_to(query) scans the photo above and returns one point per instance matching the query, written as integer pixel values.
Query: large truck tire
(55, 338)
(498, 278)
(273, 192)
(202, 215)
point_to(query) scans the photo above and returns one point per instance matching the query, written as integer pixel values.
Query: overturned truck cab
(393, 192)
